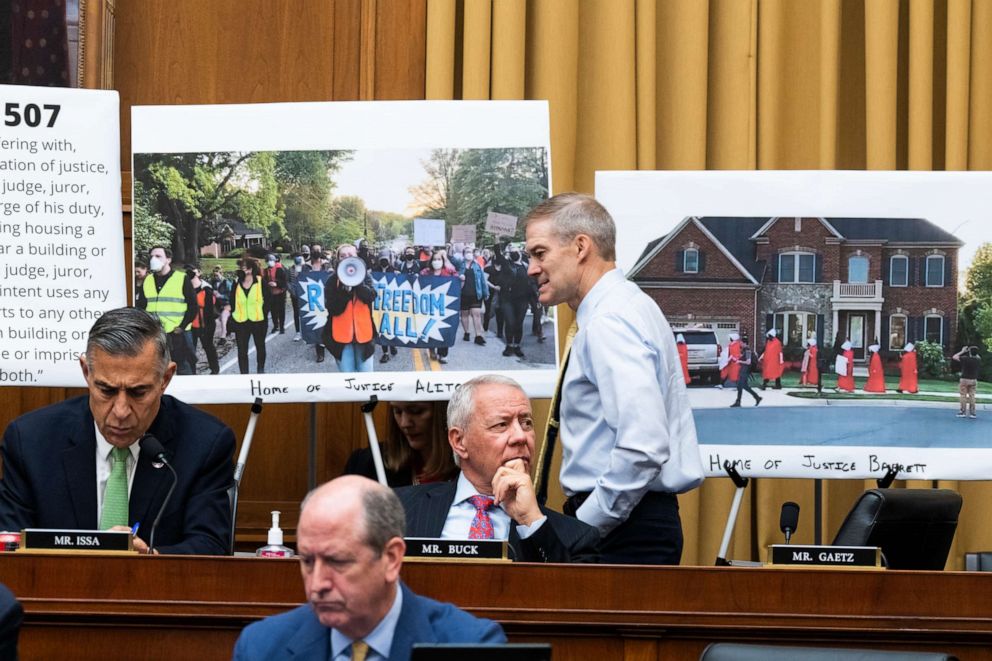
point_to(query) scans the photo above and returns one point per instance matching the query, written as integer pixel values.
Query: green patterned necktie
(115, 495)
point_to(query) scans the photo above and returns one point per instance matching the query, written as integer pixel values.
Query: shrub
(235, 254)
(930, 359)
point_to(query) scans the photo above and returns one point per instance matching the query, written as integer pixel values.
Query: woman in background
(249, 314)
(416, 448)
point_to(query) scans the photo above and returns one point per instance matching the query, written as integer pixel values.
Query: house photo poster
(831, 324)
(335, 251)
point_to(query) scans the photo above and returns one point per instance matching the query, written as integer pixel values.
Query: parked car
(704, 354)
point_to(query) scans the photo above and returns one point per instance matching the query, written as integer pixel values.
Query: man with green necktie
(77, 464)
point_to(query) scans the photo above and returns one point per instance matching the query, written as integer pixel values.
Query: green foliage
(979, 277)
(462, 186)
(983, 324)
(237, 253)
(305, 186)
(150, 229)
(930, 359)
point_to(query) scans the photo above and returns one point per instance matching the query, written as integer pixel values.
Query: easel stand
(380, 469)
(741, 484)
(239, 468)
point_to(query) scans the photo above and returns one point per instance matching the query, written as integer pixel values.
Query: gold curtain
(737, 84)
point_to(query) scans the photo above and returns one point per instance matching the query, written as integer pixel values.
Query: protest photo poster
(884, 277)
(61, 233)
(349, 241)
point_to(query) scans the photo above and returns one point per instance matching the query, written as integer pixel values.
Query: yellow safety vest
(248, 307)
(167, 304)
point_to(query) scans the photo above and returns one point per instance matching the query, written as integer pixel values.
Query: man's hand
(137, 542)
(513, 488)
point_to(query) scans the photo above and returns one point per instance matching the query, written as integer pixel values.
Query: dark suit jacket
(299, 635)
(560, 539)
(11, 615)
(49, 476)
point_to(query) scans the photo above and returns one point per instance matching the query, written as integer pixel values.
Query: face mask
(383, 263)
(271, 263)
(298, 260)
(155, 264)
(514, 256)
(468, 258)
(437, 263)
(408, 258)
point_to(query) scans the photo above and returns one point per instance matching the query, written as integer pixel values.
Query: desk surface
(161, 607)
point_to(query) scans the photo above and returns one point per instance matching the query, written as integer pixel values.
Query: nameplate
(41, 539)
(455, 549)
(825, 556)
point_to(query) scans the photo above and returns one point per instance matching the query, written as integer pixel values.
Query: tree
(150, 229)
(194, 192)
(978, 280)
(305, 180)
(975, 306)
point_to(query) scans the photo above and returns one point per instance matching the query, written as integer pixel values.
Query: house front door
(856, 333)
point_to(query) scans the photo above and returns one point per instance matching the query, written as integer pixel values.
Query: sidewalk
(710, 397)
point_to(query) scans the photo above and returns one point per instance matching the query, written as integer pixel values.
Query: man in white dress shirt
(628, 437)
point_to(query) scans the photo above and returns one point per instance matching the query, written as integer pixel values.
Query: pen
(134, 528)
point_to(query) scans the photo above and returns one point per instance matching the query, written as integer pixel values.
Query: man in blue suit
(350, 542)
(77, 465)
(11, 615)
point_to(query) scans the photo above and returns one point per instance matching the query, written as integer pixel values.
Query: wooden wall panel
(256, 51)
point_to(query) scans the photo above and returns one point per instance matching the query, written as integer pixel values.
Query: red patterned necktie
(482, 525)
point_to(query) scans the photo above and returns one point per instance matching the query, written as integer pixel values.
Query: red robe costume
(733, 369)
(846, 382)
(684, 359)
(876, 377)
(811, 373)
(771, 361)
(907, 373)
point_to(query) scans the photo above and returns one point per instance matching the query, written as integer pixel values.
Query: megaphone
(351, 271)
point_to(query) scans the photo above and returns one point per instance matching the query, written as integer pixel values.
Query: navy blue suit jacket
(49, 476)
(299, 635)
(561, 538)
(11, 615)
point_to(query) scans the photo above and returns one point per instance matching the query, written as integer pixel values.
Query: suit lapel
(411, 627)
(311, 641)
(79, 464)
(438, 504)
(150, 483)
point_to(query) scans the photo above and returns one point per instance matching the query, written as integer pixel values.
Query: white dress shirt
(626, 423)
(104, 464)
(459, 521)
(379, 640)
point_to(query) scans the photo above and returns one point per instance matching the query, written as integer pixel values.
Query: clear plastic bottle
(274, 548)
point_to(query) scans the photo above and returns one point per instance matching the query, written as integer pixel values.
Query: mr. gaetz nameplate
(825, 556)
(40, 539)
(455, 549)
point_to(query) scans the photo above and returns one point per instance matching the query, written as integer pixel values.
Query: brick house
(891, 280)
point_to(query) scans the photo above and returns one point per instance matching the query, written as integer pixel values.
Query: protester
(683, 357)
(249, 316)
(907, 371)
(772, 361)
(204, 324)
(349, 333)
(876, 375)
(475, 290)
(845, 368)
(440, 266)
(744, 362)
(810, 372)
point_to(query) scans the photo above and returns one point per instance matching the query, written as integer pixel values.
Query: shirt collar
(380, 639)
(598, 293)
(466, 490)
(103, 448)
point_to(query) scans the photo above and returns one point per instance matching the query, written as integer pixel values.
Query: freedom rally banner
(416, 311)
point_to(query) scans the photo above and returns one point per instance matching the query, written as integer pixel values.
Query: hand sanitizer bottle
(274, 547)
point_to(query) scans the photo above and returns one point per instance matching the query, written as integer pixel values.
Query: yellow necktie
(359, 650)
(547, 449)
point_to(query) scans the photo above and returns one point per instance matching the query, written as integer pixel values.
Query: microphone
(789, 520)
(152, 450)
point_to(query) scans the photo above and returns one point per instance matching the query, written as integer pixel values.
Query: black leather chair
(735, 652)
(913, 527)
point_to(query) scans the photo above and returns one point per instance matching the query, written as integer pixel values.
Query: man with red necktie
(491, 432)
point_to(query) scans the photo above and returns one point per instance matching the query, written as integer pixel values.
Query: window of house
(857, 269)
(899, 271)
(935, 271)
(796, 267)
(934, 329)
(690, 261)
(795, 327)
(897, 332)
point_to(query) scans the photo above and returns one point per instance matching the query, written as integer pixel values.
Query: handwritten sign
(416, 310)
(464, 234)
(428, 232)
(501, 224)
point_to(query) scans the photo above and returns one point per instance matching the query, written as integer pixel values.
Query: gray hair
(572, 214)
(462, 404)
(384, 515)
(125, 332)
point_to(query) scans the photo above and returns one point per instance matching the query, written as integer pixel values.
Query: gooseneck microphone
(152, 450)
(789, 520)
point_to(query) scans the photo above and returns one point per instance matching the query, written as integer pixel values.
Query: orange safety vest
(201, 303)
(354, 324)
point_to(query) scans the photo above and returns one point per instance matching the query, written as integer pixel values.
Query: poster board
(61, 239)
(383, 161)
(887, 255)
